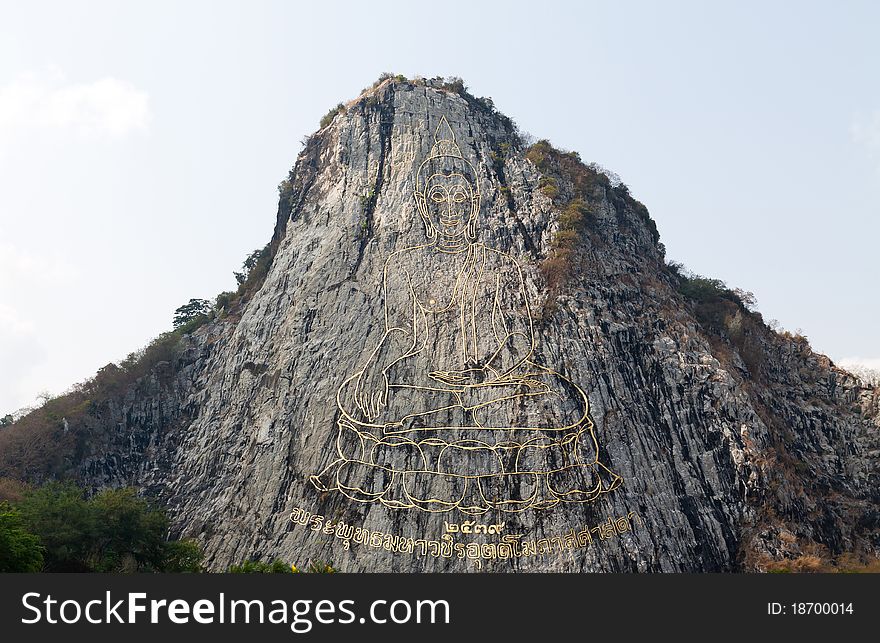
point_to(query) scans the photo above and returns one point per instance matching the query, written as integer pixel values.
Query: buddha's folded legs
(525, 442)
(469, 475)
(439, 492)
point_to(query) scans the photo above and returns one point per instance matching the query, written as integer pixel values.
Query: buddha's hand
(465, 377)
(371, 393)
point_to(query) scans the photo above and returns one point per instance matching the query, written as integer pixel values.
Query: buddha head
(446, 193)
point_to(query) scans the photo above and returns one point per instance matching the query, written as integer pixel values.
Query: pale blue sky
(141, 145)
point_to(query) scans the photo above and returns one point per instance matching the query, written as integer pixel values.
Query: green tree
(114, 531)
(193, 311)
(129, 534)
(6, 420)
(20, 550)
(59, 514)
(183, 556)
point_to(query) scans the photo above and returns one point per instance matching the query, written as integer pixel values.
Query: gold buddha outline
(359, 426)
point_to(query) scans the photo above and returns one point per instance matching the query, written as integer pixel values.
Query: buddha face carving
(447, 196)
(449, 205)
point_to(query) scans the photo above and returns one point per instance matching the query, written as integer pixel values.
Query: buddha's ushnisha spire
(444, 141)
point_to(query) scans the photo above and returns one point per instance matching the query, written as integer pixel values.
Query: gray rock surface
(719, 467)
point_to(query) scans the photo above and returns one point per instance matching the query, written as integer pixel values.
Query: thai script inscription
(507, 547)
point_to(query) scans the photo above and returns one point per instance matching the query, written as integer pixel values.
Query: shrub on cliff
(253, 273)
(724, 312)
(329, 116)
(254, 269)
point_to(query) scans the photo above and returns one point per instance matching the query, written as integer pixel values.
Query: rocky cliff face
(733, 446)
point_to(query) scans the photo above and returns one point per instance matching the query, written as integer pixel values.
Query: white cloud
(47, 102)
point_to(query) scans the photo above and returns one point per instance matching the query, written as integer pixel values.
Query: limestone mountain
(465, 351)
